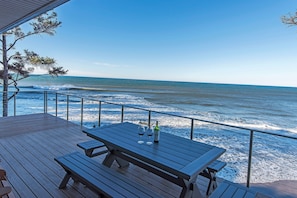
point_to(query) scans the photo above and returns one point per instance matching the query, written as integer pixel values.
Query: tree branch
(18, 79)
(43, 24)
(9, 58)
(20, 38)
(15, 84)
(290, 20)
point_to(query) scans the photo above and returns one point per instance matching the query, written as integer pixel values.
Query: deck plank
(46, 168)
(11, 165)
(29, 145)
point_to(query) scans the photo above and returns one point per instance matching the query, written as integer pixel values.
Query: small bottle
(156, 133)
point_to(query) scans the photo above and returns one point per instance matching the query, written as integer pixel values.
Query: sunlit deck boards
(14, 125)
(28, 146)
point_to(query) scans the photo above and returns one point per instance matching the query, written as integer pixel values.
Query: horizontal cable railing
(122, 107)
(179, 116)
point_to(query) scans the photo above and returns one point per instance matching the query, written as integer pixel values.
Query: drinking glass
(149, 136)
(140, 133)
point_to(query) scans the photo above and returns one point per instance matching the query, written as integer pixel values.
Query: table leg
(190, 190)
(108, 160)
(111, 157)
(196, 191)
(122, 163)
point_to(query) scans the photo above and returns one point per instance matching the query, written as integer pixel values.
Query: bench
(99, 178)
(90, 146)
(231, 190)
(210, 173)
(5, 187)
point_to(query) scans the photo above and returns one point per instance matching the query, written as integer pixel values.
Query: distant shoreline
(171, 81)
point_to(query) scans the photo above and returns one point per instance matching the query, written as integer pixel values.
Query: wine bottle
(156, 133)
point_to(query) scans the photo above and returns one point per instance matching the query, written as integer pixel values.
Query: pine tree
(16, 65)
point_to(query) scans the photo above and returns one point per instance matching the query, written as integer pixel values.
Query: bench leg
(89, 152)
(212, 185)
(65, 181)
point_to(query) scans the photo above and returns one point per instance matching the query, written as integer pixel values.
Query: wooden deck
(29, 144)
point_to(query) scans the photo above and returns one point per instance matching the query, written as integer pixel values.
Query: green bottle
(156, 133)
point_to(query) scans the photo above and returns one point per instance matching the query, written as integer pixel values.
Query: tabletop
(182, 157)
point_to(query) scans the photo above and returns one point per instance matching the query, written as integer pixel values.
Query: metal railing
(149, 118)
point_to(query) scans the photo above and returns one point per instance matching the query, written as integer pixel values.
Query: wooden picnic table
(174, 158)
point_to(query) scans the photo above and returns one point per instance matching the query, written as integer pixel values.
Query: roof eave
(34, 13)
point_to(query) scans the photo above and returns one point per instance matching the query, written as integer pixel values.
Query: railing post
(122, 115)
(45, 101)
(82, 112)
(192, 129)
(56, 104)
(99, 114)
(149, 119)
(250, 158)
(67, 108)
(14, 104)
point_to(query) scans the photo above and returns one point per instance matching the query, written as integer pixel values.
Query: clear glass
(149, 133)
(140, 131)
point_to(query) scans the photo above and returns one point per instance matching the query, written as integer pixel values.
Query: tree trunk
(5, 77)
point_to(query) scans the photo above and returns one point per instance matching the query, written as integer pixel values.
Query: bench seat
(99, 178)
(228, 189)
(90, 146)
(216, 166)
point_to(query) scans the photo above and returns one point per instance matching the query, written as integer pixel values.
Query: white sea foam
(54, 87)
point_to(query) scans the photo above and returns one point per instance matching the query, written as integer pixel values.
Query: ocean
(264, 108)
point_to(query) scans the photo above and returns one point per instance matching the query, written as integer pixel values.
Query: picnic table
(174, 158)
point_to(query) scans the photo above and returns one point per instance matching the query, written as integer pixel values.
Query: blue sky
(238, 42)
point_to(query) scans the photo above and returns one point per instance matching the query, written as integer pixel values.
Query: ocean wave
(262, 126)
(54, 87)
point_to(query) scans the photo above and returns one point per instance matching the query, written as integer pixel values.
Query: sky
(234, 42)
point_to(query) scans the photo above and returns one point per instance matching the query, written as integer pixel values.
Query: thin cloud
(108, 64)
